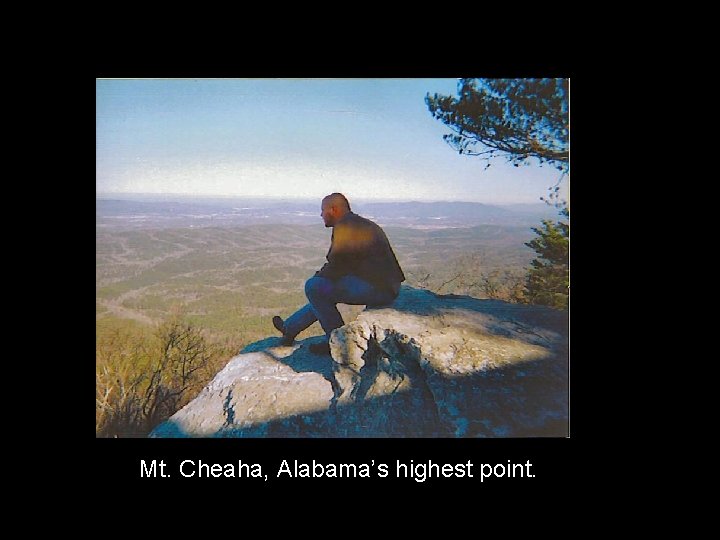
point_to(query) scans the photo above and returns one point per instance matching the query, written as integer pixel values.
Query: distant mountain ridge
(204, 212)
(433, 209)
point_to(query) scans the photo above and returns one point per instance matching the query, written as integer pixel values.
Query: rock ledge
(427, 366)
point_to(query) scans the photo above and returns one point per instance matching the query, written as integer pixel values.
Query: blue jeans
(323, 293)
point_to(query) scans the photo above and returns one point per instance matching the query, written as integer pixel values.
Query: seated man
(361, 269)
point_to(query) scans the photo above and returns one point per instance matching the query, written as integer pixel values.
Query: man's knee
(318, 287)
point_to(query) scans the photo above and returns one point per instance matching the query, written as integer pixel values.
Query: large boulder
(427, 366)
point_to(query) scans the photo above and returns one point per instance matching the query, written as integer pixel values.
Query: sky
(371, 139)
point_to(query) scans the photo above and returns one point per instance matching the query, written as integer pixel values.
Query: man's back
(360, 247)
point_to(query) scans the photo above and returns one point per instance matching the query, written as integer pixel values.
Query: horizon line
(108, 195)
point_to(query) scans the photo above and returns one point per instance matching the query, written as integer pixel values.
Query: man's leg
(324, 294)
(299, 321)
(321, 293)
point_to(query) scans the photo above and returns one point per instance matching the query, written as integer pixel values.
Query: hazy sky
(367, 138)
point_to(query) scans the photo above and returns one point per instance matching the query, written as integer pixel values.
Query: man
(361, 269)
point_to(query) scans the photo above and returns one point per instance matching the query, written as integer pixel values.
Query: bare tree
(183, 351)
(140, 381)
(117, 386)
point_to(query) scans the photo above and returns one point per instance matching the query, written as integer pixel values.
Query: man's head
(333, 208)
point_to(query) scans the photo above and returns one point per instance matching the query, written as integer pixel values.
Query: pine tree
(518, 118)
(548, 281)
(522, 120)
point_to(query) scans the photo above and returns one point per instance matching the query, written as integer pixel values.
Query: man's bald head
(333, 208)
(339, 200)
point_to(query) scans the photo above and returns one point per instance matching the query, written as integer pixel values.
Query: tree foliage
(548, 279)
(140, 382)
(518, 118)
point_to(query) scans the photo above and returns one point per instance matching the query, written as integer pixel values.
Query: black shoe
(320, 348)
(280, 326)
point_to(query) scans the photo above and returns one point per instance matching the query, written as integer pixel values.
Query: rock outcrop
(427, 366)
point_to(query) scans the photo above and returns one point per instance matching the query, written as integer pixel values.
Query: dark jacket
(360, 247)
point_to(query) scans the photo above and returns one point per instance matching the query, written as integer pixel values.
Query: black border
(555, 461)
